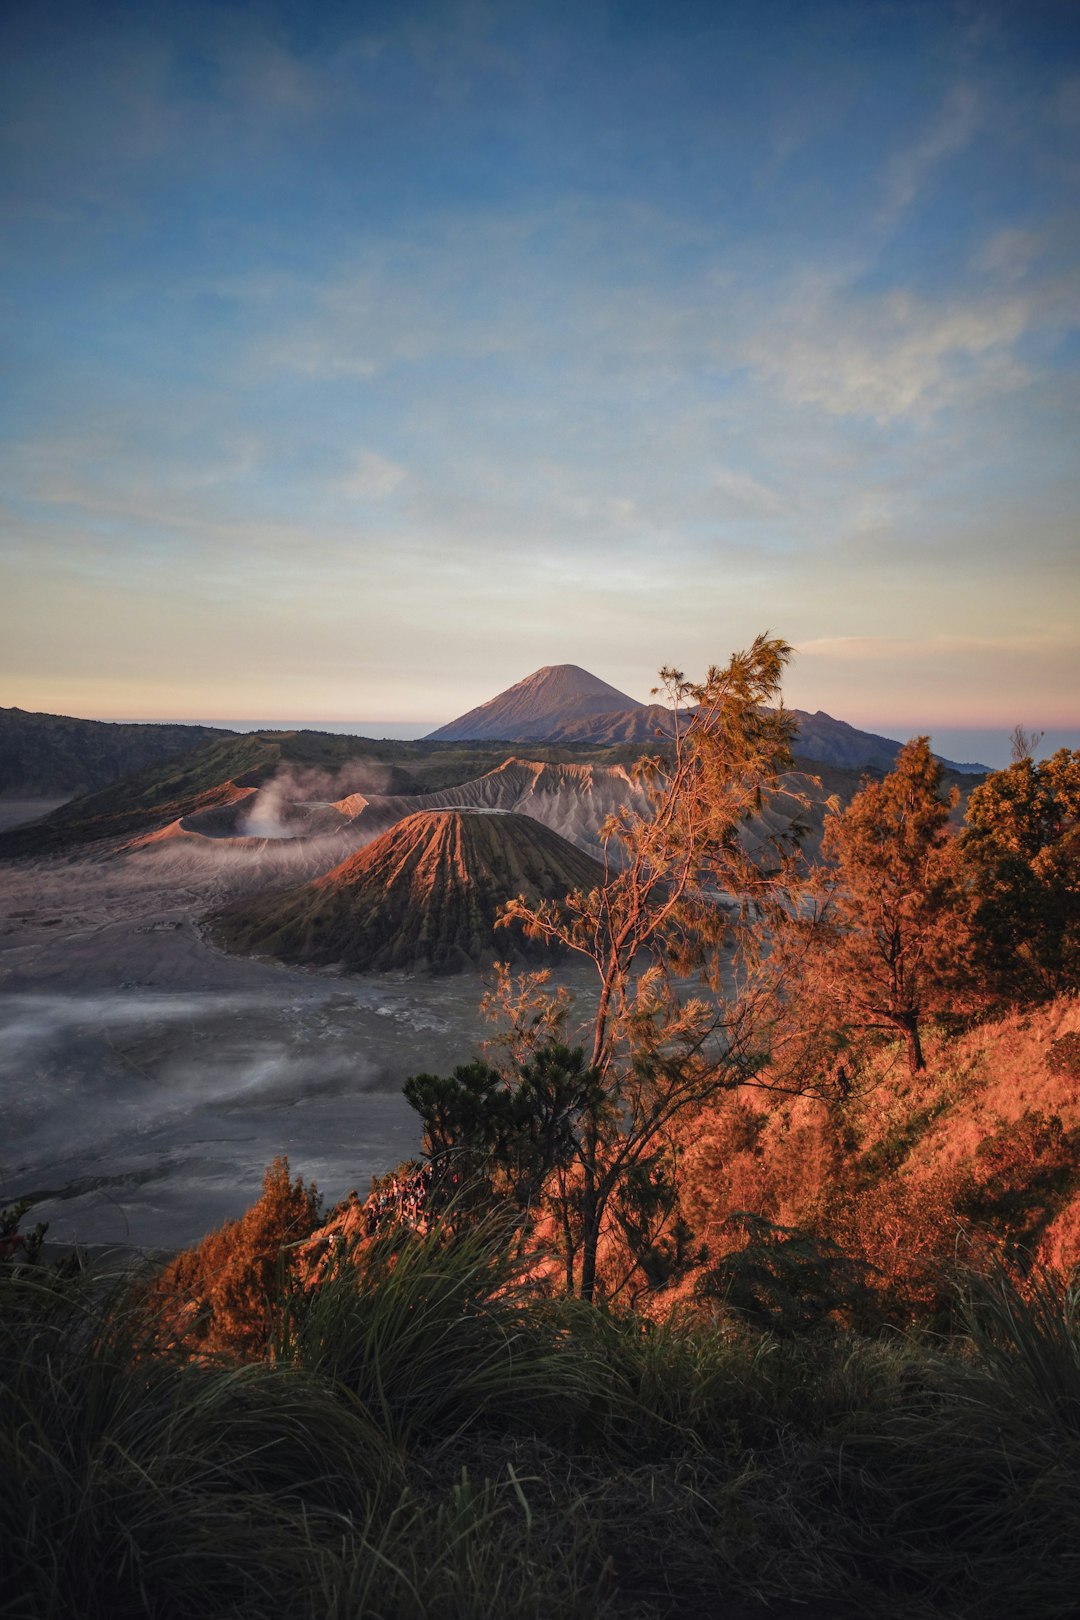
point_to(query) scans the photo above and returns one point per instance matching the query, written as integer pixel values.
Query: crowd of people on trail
(400, 1200)
(414, 1196)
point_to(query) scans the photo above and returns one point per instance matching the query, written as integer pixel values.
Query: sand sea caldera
(149, 1078)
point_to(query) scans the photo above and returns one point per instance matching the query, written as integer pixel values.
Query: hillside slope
(219, 773)
(302, 767)
(910, 1173)
(53, 755)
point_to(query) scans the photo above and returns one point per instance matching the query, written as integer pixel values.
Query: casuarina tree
(678, 936)
(891, 946)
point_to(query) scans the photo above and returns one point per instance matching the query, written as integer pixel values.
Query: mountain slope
(819, 738)
(540, 706)
(572, 800)
(564, 704)
(49, 755)
(219, 773)
(424, 895)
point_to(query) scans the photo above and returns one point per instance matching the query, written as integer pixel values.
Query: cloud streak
(909, 170)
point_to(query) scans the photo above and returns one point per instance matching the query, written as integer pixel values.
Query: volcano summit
(423, 896)
(557, 698)
(564, 704)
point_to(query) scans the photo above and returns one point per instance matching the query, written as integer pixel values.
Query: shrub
(1064, 1056)
(787, 1279)
(437, 1331)
(219, 1297)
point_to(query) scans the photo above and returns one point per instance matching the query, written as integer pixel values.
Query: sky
(362, 358)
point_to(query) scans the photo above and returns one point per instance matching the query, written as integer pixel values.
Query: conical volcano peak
(426, 895)
(571, 681)
(541, 705)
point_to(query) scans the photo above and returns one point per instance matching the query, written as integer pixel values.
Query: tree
(1022, 845)
(891, 938)
(503, 1131)
(690, 889)
(221, 1294)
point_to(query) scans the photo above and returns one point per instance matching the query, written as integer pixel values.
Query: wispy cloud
(892, 356)
(747, 493)
(909, 170)
(372, 476)
(860, 649)
(350, 340)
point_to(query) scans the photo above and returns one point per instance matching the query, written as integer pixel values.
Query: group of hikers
(400, 1200)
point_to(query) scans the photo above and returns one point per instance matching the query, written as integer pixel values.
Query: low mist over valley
(362, 1059)
(152, 1074)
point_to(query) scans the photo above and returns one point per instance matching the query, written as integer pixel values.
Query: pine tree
(1022, 843)
(893, 948)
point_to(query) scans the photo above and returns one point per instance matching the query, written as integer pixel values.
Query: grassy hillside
(422, 1435)
(910, 1171)
(50, 755)
(152, 797)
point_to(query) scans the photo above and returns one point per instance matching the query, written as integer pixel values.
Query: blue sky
(361, 358)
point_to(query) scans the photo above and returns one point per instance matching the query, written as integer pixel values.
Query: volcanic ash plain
(149, 1078)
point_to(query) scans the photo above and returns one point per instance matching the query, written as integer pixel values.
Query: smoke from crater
(271, 813)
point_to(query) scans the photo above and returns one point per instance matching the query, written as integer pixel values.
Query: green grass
(133, 1484)
(970, 1486)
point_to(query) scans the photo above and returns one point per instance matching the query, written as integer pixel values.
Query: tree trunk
(590, 1236)
(568, 1237)
(910, 1026)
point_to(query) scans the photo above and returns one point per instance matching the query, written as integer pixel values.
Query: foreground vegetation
(758, 1302)
(423, 1434)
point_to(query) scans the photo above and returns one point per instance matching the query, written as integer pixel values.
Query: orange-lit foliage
(1022, 844)
(979, 1150)
(657, 1052)
(218, 1296)
(893, 949)
(906, 1175)
(784, 1164)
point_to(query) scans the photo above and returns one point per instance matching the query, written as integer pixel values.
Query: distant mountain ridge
(48, 755)
(563, 703)
(573, 800)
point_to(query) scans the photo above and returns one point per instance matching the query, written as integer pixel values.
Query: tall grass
(135, 1485)
(475, 1552)
(436, 1333)
(430, 1440)
(1027, 1338)
(970, 1488)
